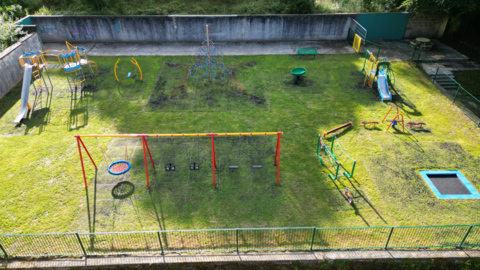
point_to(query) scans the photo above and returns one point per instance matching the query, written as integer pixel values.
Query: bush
(9, 31)
(300, 6)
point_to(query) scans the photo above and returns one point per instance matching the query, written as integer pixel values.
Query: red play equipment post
(79, 140)
(145, 145)
(397, 116)
(389, 112)
(148, 149)
(398, 120)
(277, 157)
(145, 158)
(214, 162)
(338, 128)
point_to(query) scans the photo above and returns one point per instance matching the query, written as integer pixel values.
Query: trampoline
(449, 184)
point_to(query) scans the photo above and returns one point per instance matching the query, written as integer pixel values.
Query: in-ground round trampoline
(449, 184)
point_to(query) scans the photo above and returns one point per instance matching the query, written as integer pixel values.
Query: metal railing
(231, 240)
(464, 100)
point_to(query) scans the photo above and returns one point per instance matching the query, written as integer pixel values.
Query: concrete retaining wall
(11, 72)
(429, 26)
(229, 28)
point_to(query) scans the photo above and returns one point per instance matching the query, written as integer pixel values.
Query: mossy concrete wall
(429, 26)
(11, 72)
(228, 28)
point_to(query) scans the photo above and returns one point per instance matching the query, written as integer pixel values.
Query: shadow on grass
(39, 117)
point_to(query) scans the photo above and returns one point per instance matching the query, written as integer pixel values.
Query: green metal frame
(246, 239)
(322, 146)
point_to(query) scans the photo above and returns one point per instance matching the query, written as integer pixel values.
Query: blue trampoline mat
(449, 184)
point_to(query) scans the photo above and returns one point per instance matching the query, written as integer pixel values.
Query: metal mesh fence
(419, 237)
(221, 240)
(351, 238)
(443, 79)
(27, 245)
(275, 239)
(472, 239)
(120, 243)
(199, 240)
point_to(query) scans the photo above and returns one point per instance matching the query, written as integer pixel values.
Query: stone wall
(228, 28)
(11, 72)
(429, 26)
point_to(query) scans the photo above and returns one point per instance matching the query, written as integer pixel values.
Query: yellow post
(357, 41)
(115, 69)
(138, 66)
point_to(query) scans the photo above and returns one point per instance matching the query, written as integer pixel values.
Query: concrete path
(242, 48)
(277, 257)
(396, 50)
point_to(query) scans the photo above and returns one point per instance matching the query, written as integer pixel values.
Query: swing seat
(129, 74)
(257, 166)
(233, 167)
(169, 167)
(194, 166)
(119, 167)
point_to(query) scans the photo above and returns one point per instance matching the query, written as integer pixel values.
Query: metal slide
(27, 77)
(383, 86)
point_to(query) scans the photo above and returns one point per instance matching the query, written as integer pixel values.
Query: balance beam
(337, 128)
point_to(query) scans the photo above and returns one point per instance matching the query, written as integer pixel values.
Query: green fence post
(4, 252)
(160, 240)
(435, 77)
(81, 245)
(236, 238)
(313, 238)
(458, 89)
(465, 237)
(389, 236)
(319, 146)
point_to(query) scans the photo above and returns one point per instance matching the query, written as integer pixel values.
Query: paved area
(279, 257)
(394, 50)
(241, 48)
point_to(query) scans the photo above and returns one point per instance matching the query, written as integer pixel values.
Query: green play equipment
(337, 156)
(304, 51)
(298, 72)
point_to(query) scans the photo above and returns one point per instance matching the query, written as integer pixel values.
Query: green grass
(42, 183)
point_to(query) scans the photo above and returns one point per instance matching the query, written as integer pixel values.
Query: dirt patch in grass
(172, 65)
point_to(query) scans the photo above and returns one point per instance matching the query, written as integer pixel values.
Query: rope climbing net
(209, 64)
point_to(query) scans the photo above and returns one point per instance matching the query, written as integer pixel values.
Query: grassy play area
(43, 190)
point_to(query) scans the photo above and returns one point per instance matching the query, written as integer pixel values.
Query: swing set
(120, 167)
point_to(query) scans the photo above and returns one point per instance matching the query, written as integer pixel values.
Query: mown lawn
(42, 183)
